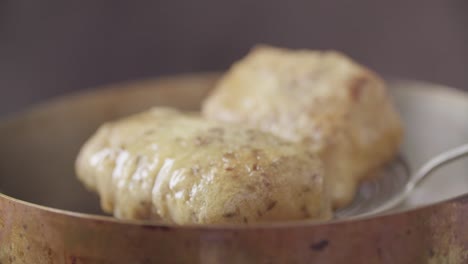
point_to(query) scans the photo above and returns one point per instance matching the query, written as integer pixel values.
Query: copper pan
(52, 219)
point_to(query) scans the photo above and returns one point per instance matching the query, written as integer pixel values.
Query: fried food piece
(323, 100)
(164, 164)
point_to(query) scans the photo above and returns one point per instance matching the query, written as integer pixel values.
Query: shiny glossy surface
(163, 164)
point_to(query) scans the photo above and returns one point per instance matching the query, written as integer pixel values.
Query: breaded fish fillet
(321, 99)
(164, 164)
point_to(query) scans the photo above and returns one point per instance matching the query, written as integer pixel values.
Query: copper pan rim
(214, 227)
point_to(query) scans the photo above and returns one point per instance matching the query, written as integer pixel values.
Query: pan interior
(39, 146)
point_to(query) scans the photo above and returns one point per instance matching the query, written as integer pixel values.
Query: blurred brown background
(48, 48)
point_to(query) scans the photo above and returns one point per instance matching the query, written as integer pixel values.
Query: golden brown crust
(323, 99)
(183, 169)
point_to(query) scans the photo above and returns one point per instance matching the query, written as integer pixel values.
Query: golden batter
(163, 164)
(323, 100)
